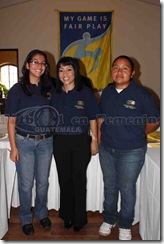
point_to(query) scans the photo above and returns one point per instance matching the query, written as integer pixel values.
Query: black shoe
(45, 223)
(77, 228)
(68, 224)
(28, 229)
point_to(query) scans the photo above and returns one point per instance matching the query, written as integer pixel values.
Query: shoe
(28, 229)
(105, 229)
(68, 224)
(125, 234)
(45, 223)
(77, 228)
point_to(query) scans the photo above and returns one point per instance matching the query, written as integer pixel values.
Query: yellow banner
(87, 36)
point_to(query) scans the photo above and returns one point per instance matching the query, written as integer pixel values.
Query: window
(8, 75)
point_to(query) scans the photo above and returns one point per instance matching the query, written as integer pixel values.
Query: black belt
(36, 137)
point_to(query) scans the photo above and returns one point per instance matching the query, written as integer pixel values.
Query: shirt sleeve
(150, 108)
(11, 106)
(92, 105)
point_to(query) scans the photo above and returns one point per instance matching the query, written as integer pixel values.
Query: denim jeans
(34, 163)
(120, 169)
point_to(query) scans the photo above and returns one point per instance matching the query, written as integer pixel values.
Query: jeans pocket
(49, 140)
(20, 139)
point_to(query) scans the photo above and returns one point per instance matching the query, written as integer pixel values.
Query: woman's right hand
(14, 155)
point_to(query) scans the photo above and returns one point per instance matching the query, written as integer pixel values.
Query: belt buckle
(38, 137)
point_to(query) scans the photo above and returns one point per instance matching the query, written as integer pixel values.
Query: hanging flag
(87, 36)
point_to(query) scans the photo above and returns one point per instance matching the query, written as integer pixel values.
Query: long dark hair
(44, 79)
(75, 64)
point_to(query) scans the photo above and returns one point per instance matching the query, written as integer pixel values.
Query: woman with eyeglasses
(27, 106)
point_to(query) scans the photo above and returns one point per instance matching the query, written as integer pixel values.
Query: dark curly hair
(44, 79)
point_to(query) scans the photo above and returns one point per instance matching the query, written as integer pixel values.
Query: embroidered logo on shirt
(48, 95)
(80, 105)
(130, 104)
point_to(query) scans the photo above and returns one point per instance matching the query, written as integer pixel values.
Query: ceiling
(7, 3)
(157, 2)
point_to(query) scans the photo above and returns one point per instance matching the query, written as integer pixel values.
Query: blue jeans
(34, 163)
(121, 169)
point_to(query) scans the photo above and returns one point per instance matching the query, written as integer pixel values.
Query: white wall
(136, 31)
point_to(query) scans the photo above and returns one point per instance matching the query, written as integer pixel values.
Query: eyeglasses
(37, 63)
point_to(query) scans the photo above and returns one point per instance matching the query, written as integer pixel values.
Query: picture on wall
(87, 36)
